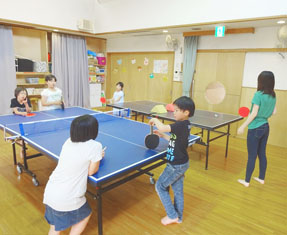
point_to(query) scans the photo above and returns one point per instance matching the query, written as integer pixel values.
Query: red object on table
(30, 114)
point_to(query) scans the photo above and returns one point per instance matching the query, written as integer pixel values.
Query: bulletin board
(146, 76)
(256, 62)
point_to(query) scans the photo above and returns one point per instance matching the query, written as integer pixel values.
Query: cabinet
(97, 76)
(95, 94)
(97, 71)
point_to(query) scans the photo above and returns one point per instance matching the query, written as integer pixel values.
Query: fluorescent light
(56, 30)
(165, 31)
(281, 22)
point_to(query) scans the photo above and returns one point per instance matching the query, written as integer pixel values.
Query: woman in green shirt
(262, 107)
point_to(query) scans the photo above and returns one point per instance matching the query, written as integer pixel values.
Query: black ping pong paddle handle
(62, 105)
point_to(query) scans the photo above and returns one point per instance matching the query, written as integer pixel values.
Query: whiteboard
(256, 62)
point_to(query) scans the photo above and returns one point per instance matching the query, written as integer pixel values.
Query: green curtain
(190, 49)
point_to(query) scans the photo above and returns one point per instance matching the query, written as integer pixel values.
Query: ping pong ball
(215, 115)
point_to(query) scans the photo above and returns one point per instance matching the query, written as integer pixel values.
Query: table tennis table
(205, 120)
(126, 155)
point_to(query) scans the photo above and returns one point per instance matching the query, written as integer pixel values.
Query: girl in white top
(52, 96)
(64, 196)
(118, 96)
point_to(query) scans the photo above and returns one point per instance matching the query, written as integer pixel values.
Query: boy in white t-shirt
(52, 96)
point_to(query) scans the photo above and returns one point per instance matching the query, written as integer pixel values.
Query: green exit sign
(219, 31)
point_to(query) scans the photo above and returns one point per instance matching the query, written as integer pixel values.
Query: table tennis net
(59, 124)
(32, 128)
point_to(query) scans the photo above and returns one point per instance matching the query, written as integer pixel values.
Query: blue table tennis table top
(123, 137)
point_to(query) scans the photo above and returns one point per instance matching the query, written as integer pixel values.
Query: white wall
(118, 15)
(55, 13)
(265, 37)
(140, 43)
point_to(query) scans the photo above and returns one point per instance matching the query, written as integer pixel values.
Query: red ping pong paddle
(151, 140)
(169, 107)
(103, 100)
(243, 111)
(30, 114)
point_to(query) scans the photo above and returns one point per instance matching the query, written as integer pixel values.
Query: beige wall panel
(96, 45)
(223, 107)
(226, 68)
(176, 90)
(138, 84)
(30, 44)
(200, 102)
(205, 70)
(229, 72)
(278, 123)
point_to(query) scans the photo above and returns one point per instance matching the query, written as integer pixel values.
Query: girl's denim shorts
(65, 219)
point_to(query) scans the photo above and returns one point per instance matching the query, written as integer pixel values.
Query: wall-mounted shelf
(96, 82)
(35, 96)
(32, 85)
(94, 73)
(31, 74)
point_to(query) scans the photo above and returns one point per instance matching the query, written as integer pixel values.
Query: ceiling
(196, 27)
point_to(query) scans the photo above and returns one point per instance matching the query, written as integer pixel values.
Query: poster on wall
(160, 66)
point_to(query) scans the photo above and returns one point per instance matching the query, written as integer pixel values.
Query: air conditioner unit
(85, 25)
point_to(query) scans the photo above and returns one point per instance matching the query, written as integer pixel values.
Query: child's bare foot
(166, 221)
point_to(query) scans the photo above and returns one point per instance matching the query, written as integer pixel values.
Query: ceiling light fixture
(165, 31)
(281, 22)
(55, 30)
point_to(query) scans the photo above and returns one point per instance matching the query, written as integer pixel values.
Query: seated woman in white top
(52, 96)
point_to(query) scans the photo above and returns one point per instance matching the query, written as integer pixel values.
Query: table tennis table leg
(227, 140)
(207, 149)
(14, 153)
(25, 154)
(24, 167)
(100, 222)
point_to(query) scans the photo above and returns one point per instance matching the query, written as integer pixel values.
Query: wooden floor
(214, 202)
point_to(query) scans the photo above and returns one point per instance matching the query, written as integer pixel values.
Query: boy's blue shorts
(65, 219)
